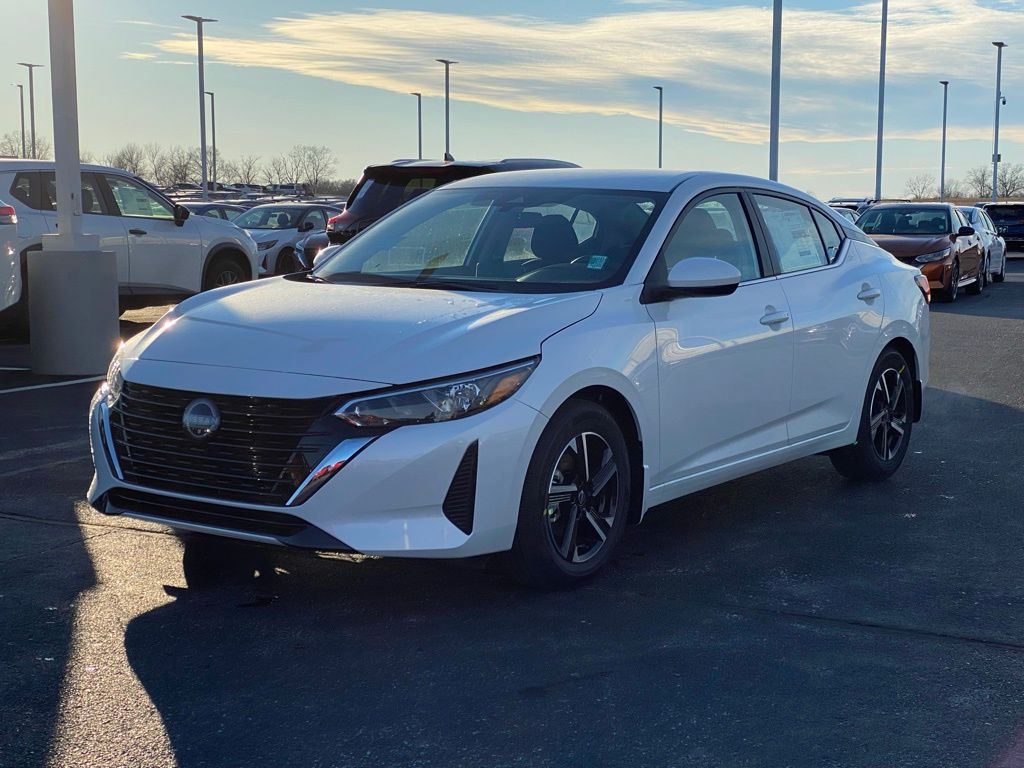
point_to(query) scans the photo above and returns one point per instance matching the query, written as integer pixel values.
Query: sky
(571, 80)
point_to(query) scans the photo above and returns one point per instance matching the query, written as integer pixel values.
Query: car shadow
(788, 618)
(1003, 300)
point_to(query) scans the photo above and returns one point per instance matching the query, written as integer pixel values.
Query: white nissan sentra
(520, 363)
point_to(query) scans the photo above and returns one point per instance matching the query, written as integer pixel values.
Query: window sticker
(597, 262)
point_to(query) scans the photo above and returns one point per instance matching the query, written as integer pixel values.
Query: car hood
(368, 333)
(262, 235)
(910, 246)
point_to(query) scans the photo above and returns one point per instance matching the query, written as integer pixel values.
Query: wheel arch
(227, 249)
(905, 347)
(616, 403)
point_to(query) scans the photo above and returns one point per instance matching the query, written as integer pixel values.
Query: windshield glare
(504, 239)
(905, 221)
(268, 218)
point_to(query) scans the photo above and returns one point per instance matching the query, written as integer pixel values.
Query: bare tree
(247, 169)
(278, 170)
(312, 163)
(956, 190)
(156, 163)
(979, 181)
(920, 186)
(1011, 179)
(181, 165)
(131, 157)
(10, 144)
(85, 156)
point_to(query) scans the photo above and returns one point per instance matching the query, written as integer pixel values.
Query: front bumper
(939, 273)
(388, 501)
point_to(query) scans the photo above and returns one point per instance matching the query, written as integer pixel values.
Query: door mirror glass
(180, 214)
(965, 232)
(702, 276)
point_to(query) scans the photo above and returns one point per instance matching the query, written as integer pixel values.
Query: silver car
(994, 269)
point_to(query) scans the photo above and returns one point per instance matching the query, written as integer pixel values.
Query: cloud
(135, 56)
(713, 62)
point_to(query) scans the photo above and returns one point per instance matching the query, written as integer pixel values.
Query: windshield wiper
(453, 285)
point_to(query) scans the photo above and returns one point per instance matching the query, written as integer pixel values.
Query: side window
(134, 199)
(829, 235)
(716, 228)
(317, 217)
(213, 213)
(92, 200)
(989, 225)
(792, 232)
(21, 190)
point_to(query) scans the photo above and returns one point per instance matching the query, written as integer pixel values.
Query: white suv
(162, 254)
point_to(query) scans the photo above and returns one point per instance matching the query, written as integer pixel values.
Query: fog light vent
(459, 503)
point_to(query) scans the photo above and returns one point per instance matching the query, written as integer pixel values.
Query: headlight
(444, 401)
(266, 245)
(115, 381)
(929, 257)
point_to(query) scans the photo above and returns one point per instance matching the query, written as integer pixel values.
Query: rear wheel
(575, 500)
(998, 277)
(886, 422)
(981, 280)
(224, 270)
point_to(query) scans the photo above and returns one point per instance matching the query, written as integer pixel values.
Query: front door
(725, 362)
(164, 257)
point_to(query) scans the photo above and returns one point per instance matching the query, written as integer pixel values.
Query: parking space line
(54, 384)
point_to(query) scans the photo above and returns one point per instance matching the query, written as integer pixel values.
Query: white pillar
(72, 284)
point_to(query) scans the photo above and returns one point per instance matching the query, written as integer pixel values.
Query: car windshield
(269, 218)
(508, 239)
(905, 221)
(1006, 214)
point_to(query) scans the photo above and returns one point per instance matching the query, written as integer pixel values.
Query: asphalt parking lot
(786, 619)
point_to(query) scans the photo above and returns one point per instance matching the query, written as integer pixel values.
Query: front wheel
(287, 263)
(575, 500)
(950, 294)
(886, 422)
(224, 270)
(980, 281)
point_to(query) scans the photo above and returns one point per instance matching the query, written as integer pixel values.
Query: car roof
(876, 206)
(635, 180)
(494, 166)
(20, 164)
(298, 206)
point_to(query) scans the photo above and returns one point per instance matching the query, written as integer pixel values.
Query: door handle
(869, 294)
(775, 318)
(137, 231)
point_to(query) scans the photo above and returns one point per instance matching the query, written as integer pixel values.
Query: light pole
(942, 164)
(199, 20)
(213, 136)
(31, 102)
(999, 101)
(661, 113)
(21, 94)
(773, 125)
(447, 124)
(419, 121)
(881, 102)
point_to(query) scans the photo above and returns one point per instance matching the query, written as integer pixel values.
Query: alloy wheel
(954, 281)
(888, 414)
(227, 277)
(582, 498)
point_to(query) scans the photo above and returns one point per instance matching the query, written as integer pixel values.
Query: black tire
(981, 281)
(287, 262)
(211, 561)
(224, 270)
(598, 513)
(889, 399)
(950, 294)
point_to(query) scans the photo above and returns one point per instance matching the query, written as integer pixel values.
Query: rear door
(969, 247)
(98, 218)
(163, 257)
(837, 307)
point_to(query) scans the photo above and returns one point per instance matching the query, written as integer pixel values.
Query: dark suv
(385, 187)
(1009, 221)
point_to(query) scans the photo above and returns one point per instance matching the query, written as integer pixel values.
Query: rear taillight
(926, 290)
(8, 215)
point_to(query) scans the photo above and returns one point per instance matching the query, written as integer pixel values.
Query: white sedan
(277, 230)
(520, 363)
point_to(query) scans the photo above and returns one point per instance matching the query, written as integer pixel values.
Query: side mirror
(699, 276)
(306, 226)
(965, 232)
(180, 214)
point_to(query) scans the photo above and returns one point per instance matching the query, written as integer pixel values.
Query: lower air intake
(461, 499)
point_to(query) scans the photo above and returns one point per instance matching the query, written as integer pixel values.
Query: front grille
(257, 521)
(460, 501)
(263, 450)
